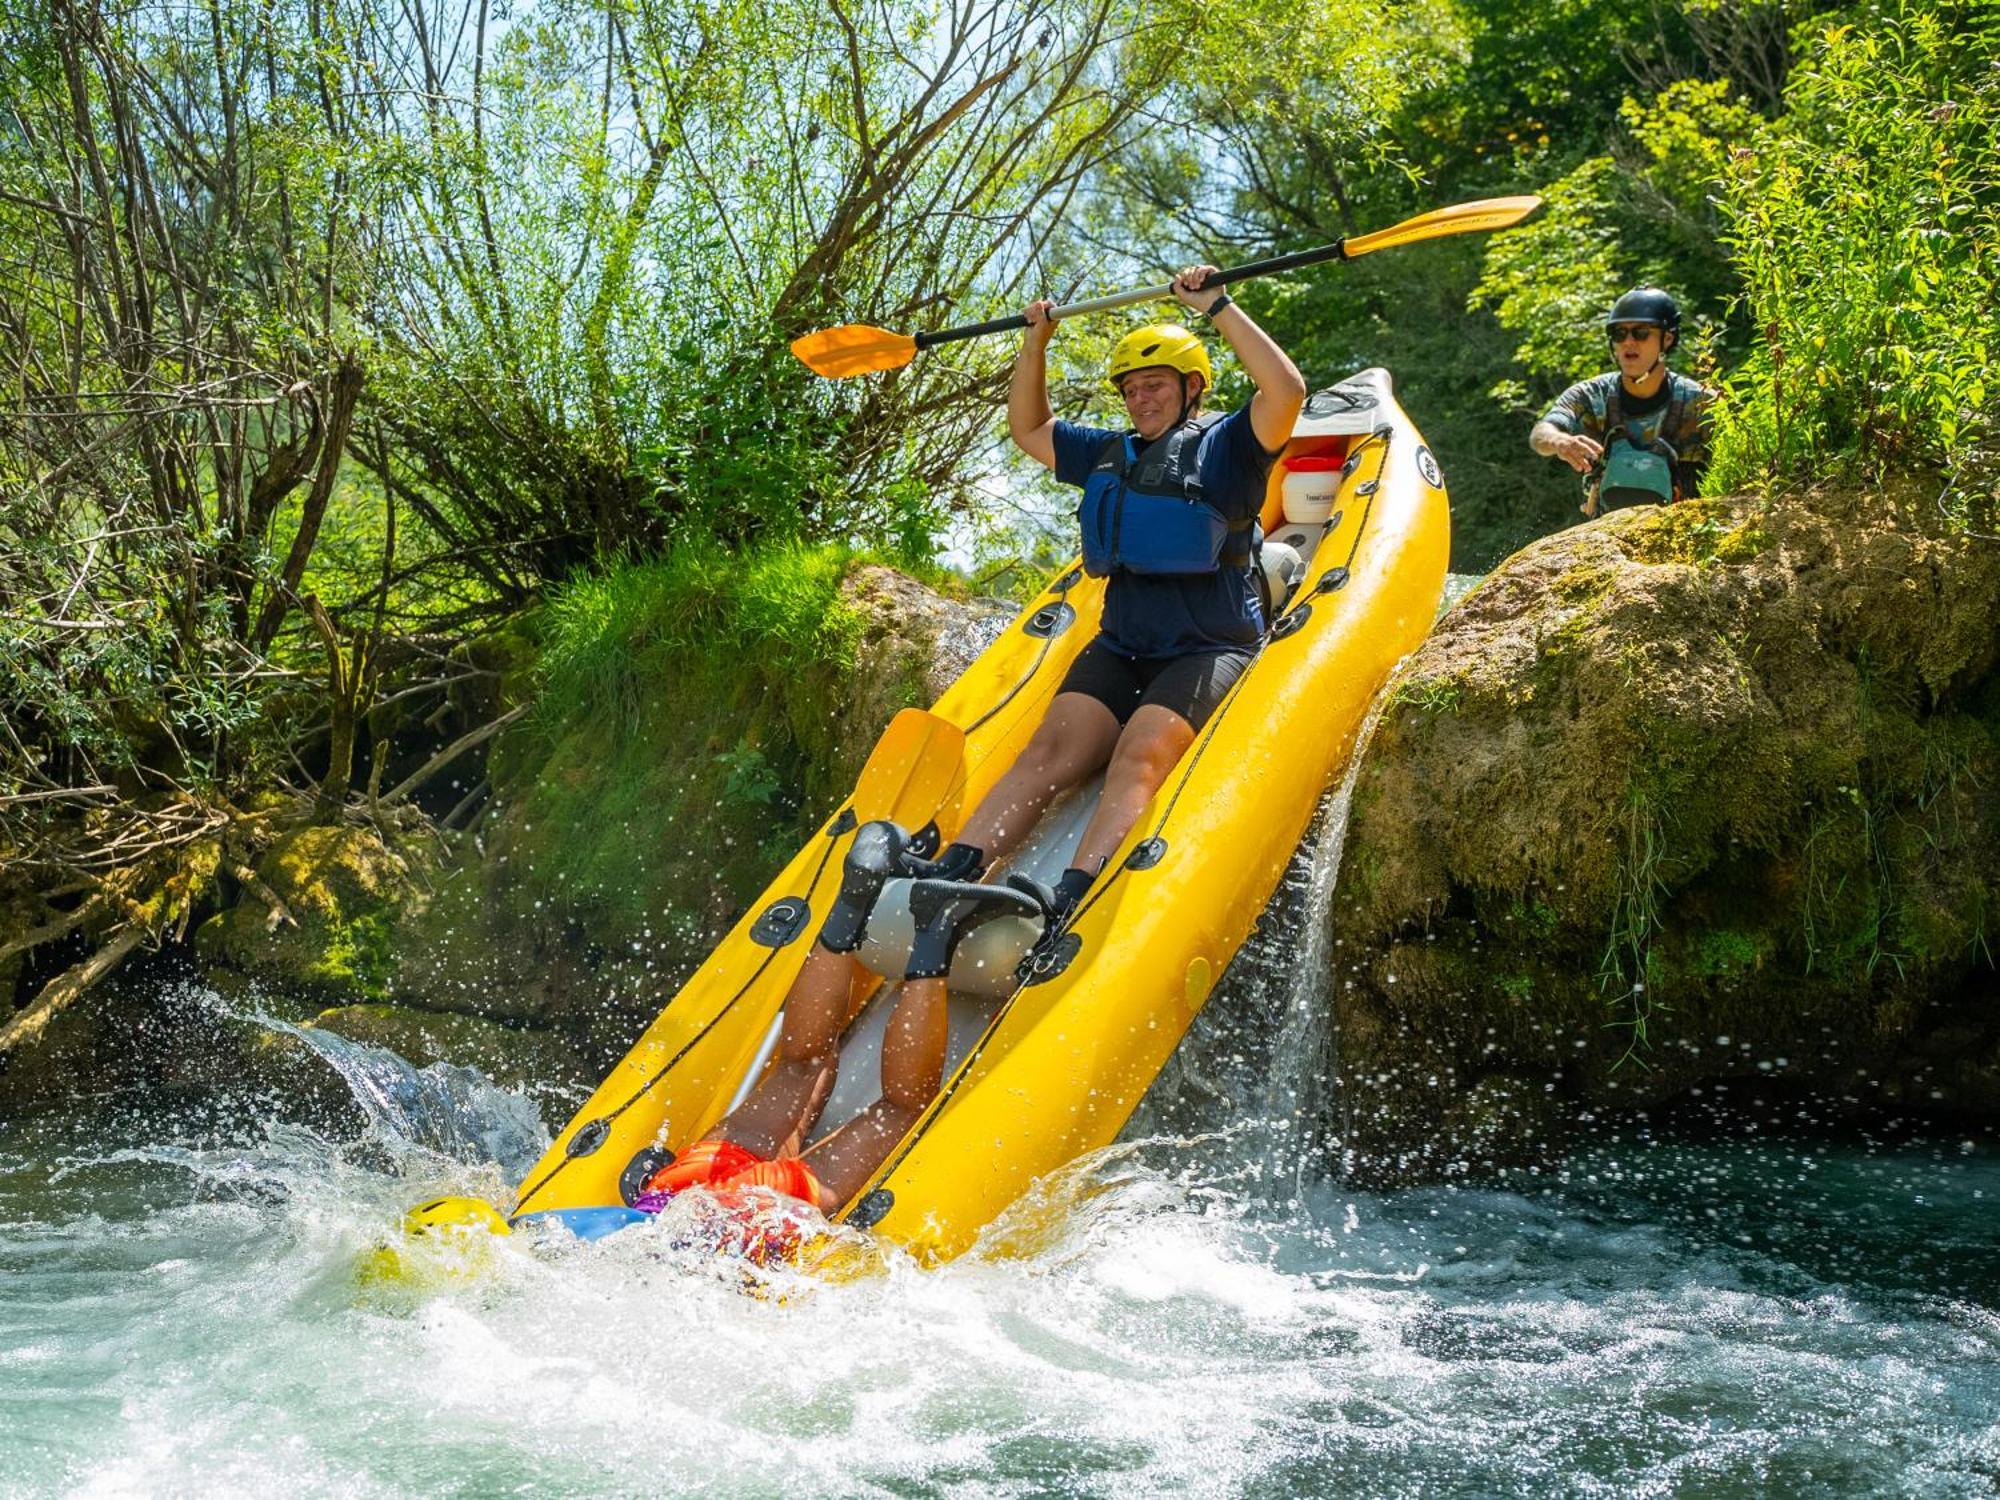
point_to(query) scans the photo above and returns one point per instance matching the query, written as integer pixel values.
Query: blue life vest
(1143, 512)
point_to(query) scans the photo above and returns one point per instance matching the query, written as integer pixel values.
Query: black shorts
(1189, 685)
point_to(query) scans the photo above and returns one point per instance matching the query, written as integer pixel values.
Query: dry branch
(27, 1027)
(49, 931)
(451, 753)
(280, 914)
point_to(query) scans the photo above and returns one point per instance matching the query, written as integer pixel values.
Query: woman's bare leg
(780, 1111)
(913, 1050)
(1074, 739)
(1153, 743)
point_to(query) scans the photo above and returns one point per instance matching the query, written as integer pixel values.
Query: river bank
(1677, 799)
(1741, 1284)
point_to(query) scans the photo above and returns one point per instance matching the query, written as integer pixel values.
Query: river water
(1758, 1304)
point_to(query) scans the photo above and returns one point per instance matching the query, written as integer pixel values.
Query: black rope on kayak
(1063, 586)
(1097, 892)
(1382, 435)
(1208, 734)
(1188, 765)
(650, 1084)
(1292, 618)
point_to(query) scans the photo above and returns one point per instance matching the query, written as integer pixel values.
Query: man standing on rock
(1638, 434)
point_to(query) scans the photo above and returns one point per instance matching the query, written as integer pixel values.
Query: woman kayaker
(1169, 515)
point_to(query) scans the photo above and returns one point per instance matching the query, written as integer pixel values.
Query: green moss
(1360, 863)
(698, 715)
(1580, 593)
(1741, 544)
(346, 891)
(1584, 586)
(1429, 695)
(1722, 952)
(1699, 531)
(359, 956)
(1933, 933)
(1536, 916)
(325, 870)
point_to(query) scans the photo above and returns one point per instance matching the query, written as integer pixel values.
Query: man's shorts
(1189, 685)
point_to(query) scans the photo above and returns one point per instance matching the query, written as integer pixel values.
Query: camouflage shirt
(1677, 413)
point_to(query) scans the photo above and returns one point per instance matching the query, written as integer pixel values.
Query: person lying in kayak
(1169, 516)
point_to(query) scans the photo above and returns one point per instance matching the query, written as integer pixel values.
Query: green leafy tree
(1866, 228)
(183, 203)
(620, 214)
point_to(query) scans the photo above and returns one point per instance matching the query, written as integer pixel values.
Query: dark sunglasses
(1637, 333)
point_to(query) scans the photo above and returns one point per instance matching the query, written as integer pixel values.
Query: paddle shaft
(1273, 264)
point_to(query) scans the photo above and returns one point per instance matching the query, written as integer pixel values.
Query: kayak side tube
(1062, 1063)
(685, 1070)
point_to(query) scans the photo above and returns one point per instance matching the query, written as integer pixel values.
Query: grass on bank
(687, 708)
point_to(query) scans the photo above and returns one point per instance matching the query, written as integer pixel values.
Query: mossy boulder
(325, 920)
(691, 730)
(1683, 794)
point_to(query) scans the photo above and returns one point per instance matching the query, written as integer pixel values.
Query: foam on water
(1198, 1309)
(182, 1315)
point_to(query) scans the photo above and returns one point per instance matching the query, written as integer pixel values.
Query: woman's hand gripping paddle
(858, 349)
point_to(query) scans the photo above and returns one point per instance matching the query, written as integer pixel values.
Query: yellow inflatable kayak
(1048, 1066)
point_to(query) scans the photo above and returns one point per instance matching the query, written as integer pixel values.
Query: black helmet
(1646, 304)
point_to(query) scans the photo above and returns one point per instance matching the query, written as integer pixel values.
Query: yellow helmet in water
(455, 1216)
(1166, 344)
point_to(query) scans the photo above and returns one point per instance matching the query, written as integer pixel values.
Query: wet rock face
(914, 643)
(1686, 794)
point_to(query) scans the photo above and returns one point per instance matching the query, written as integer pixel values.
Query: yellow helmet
(1166, 344)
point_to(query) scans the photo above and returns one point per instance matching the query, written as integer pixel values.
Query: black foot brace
(1059, 903)
(874, 858)
(948, 910)
(958, 862)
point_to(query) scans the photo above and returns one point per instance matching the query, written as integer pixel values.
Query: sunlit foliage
(1866, 226)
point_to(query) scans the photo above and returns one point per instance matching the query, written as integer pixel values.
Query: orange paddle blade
(1460, 218)
(854, 349)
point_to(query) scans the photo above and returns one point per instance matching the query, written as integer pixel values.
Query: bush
(610, 637)
(1866, 226)
(685, 702)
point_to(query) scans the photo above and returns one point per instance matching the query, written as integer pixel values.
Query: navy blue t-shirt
(1182, 614)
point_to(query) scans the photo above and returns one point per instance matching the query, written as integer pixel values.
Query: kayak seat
(1300, 505)
(1282, 568)
(972, 1005)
